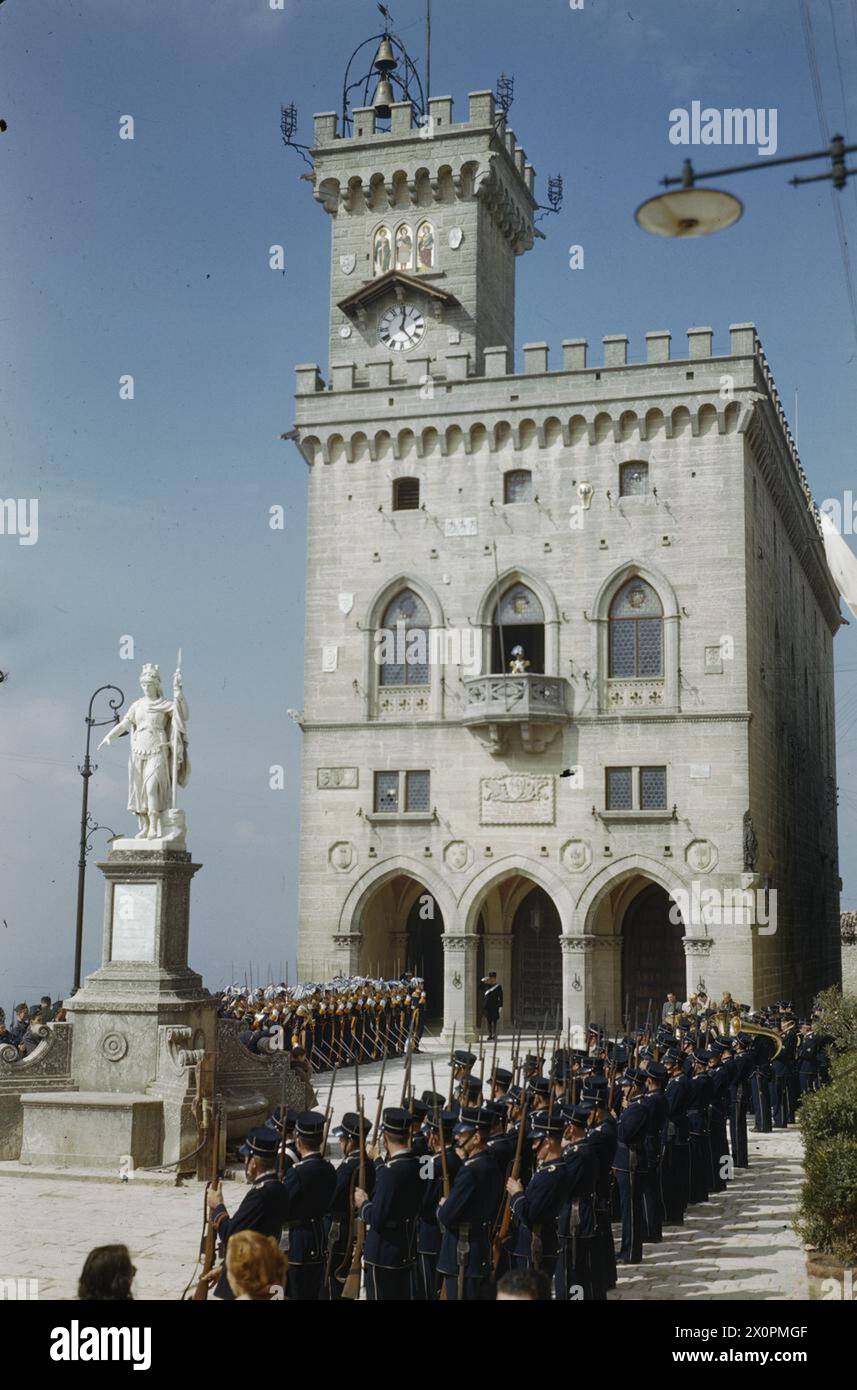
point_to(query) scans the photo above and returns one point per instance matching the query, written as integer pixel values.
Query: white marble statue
(159, 761)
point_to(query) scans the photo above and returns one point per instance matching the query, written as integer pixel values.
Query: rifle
(351, 1288)
(502, 1235)
(281, 1152)
(328, 1111)
(209, 1238)
(451, 1069)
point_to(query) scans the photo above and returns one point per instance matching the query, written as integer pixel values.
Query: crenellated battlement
(482, 119)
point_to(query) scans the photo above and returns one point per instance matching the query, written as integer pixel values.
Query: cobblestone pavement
(737, 1246)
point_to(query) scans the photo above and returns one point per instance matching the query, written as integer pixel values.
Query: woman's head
(254, 1265)
(150, 680)
(107, 1274)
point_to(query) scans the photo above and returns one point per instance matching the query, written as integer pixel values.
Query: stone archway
(653, 958)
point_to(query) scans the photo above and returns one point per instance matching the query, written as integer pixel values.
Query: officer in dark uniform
(675, 1169)
(308, 1188)
(653, 1202)
(492, 1002)
(429, 1233)
(782, 1082)
(391, 1215)
(264, 1207)
(701, 1179)
(536, 1207)
(580, 1272)
(466, 1215)
(806, 1059)
(340, 1220)
(629, 1159)
(602, 1139)
(739, 1095)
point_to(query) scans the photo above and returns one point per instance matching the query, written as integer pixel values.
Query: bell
(383, 98)
(385, 58)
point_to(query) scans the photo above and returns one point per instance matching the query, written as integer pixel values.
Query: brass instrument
(765, 1033)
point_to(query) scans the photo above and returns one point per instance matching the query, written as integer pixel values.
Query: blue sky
(150, 257)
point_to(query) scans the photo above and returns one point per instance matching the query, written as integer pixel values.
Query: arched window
(518, 485)
(425, 246)
(406, 494)
(404, 248)
(636, 645)
(633, 479)
(382, 251)
(518, 621)
(402, 645)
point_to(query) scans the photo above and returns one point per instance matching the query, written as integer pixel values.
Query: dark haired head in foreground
(107, 1275)
(527, 1285)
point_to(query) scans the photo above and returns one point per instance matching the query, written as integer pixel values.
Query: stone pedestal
(139, 1024)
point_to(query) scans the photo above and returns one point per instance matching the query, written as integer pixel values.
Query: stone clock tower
(427, 221)
(542, 705)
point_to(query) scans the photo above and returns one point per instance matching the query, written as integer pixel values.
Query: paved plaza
(739, 1245)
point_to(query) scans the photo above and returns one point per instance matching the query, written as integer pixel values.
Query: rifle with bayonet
(209, 1236)
(502, 1236)
(351, 1288)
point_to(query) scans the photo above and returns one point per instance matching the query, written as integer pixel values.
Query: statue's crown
(150, 672)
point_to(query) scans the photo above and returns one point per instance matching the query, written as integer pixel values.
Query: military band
(528, 1167)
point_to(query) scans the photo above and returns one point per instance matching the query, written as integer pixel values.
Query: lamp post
(87, 826)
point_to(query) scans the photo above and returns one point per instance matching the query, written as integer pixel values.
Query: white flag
(841, 561)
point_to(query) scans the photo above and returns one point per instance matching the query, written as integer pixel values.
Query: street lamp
(88, 827)
(693, 211)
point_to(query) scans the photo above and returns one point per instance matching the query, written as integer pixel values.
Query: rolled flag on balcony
(841, 561)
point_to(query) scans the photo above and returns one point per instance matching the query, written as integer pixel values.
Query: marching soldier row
(523, 1170)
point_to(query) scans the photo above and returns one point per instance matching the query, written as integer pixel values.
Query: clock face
(401, 327)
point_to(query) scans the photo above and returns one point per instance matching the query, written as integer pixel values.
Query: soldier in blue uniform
(308, 1189)
(602, 1139)
(629, 1159)
(675, 1170)
(580, 1271)
(701, 1181)
(339, 1224)
(391, 1215)
(656, 1106)
(536, 1207)
(264, 1207)
(429, 1233)
(466, 1215)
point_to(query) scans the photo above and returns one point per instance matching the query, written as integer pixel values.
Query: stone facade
(739, 715)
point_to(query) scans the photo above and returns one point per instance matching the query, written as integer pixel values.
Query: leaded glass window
(636, 631)
(386, 791)
(404, 644)
(417, 786)
(653, 788)
(619, 790)
(519, 607)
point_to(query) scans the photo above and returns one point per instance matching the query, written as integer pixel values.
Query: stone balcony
(537, 706)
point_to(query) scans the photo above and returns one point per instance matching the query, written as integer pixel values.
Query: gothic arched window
(382, 251)
(636, 626)
(425, 246)
(402, 641)
(518, 620)
(404, 247)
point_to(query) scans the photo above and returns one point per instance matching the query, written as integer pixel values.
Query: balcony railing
(537, 705)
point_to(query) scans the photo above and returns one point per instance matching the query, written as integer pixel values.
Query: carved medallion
(458, 856)
(576, 855)
(114, 1046)
(347, 264)
(342, 855)
(701, 855)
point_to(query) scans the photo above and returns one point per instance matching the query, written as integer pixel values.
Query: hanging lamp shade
(689, 212)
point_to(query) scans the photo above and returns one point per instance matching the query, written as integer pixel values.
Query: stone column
(398, 958)
(459, 986)
(577, 985)
(697, 950)
(348, 952)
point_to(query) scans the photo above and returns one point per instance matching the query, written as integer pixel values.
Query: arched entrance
(536, 962)
(653, 959)
(424, 954)
(401, 928)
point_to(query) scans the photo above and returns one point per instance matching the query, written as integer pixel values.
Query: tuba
(765, 1033)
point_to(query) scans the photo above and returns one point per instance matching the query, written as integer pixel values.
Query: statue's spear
(176, 739)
